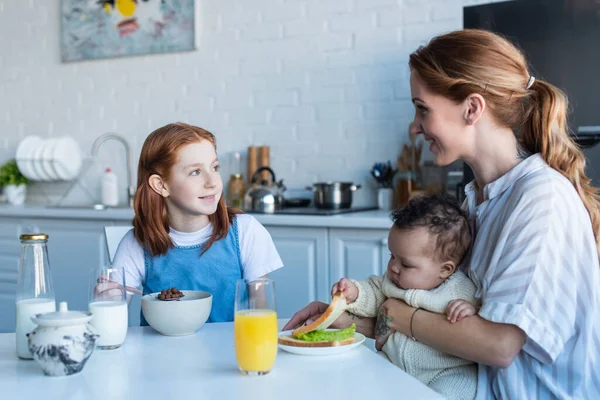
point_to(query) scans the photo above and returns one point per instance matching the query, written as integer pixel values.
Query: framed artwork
(92, 29)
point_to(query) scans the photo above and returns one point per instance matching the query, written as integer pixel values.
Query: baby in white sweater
(429, 239)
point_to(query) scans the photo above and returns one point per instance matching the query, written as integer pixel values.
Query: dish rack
(56, 165)
(55, 192)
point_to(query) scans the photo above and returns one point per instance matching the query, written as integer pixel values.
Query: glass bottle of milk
(35, 292)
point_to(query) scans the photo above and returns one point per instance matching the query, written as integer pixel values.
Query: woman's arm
(473, 338)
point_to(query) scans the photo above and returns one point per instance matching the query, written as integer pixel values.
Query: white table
(203, 366)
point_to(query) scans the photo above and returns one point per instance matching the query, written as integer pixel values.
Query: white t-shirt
(258, 252)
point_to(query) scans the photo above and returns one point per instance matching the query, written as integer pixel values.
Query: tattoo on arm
(354, 317)
(381, 326)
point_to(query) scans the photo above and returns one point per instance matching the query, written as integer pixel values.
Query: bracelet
(411, 325)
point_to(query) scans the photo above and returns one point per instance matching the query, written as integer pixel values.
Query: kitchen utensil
(171, 299)
(67, 158)
(252, 162)
(383, 174)
(63, 341)
(177, 318)
(263, 196)
(108, 305)
(433, 178)
(23, 157)
(35, 292)
(264, 156)
(321, 351)
(333, 195)
(255, 326)
(410, 156)
(296, 202)
(38, 161)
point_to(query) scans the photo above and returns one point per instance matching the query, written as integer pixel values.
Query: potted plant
(13, 182)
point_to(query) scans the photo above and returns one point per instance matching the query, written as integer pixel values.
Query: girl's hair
(159, 154)
(460, 63)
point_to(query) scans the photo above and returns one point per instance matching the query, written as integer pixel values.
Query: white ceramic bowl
(177, 318)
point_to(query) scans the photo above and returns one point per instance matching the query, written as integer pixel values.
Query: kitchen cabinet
(357, 253)
(74, 247)
(316, 252)
(10, 249)
(304, 276)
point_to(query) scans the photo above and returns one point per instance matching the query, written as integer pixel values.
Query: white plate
(38, 161)
(47, 159)
(321, 351)
(66, 158)
(24, 150)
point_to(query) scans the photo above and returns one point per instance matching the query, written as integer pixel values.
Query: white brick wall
(324, 82)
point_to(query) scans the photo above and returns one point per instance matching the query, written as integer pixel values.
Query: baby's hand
(459, 309)
(349, 290)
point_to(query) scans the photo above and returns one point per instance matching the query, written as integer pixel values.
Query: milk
(110, 321)
(25, 310)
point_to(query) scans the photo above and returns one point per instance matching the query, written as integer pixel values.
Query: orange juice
(255, 335)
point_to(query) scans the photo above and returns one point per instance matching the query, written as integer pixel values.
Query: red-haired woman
(183, 234)
(535, 220)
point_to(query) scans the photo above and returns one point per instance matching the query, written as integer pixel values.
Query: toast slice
(336, 308)
(288, 340)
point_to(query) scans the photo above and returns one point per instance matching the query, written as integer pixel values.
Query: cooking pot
(262, 196)
(333, 195)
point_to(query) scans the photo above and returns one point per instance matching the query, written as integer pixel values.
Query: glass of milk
(108, 305)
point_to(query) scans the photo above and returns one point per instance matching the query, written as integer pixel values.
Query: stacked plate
(56, 159)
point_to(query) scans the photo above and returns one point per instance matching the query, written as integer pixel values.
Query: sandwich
(315, 333)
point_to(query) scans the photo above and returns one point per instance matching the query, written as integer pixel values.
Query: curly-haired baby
(427, 242)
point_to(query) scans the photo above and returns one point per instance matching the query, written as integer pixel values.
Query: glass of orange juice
(255, 326)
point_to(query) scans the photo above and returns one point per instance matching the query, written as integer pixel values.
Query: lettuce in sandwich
(331, 336)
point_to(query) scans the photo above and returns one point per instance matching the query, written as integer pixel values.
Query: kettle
(262, 196)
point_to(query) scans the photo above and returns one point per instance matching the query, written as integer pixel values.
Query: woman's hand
(393, 314)
(313, 311)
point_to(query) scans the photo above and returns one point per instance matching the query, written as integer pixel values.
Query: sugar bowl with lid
(63, 340)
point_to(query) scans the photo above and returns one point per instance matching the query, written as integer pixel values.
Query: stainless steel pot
(333, 195)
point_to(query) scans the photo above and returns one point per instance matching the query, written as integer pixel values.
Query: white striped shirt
(535, 265)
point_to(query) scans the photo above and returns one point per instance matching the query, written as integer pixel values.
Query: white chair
(113, 236)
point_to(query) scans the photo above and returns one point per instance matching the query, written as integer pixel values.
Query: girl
(183, 234)
(535, 219)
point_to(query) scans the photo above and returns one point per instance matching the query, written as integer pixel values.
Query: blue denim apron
(216, 272)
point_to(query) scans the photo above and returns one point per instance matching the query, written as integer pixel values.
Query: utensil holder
(385, 199)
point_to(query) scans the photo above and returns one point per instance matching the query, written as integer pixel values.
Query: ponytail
(545, 132)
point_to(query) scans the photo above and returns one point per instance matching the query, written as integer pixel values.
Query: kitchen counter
(151, 366)
(365, 220)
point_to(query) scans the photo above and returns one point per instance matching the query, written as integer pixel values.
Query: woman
(535, 219)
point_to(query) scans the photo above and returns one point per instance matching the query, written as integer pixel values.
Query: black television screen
(561, 40)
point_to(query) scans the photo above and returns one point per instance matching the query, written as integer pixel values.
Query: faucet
(107, 136)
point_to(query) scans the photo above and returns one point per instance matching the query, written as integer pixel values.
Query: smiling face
(194, 186)
(441, 121)
(413, 260)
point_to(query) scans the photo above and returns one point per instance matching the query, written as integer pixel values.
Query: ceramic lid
(62, 317)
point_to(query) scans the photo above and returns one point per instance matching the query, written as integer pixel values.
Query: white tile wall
(323, 82)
